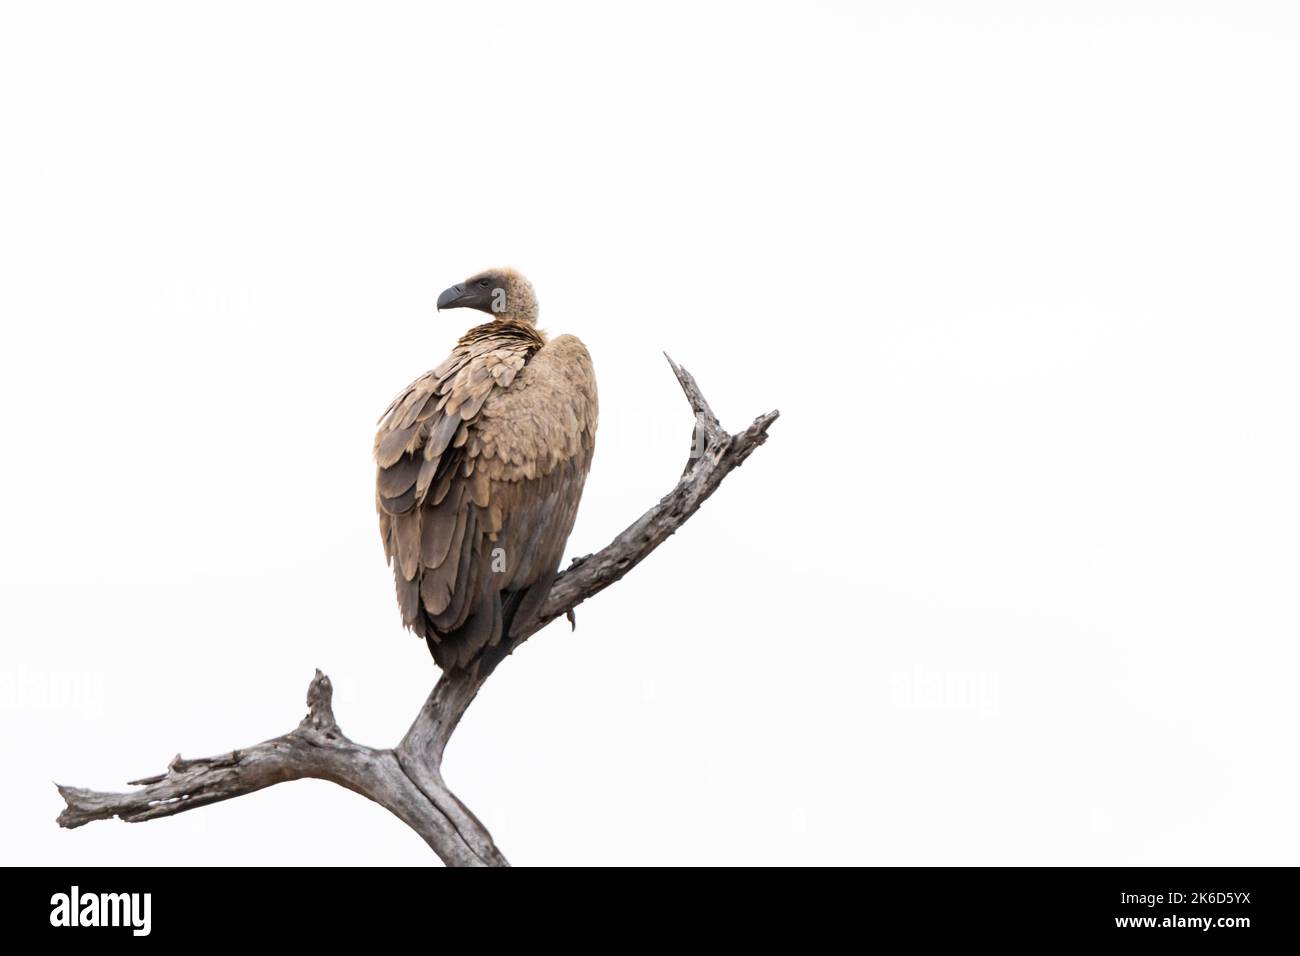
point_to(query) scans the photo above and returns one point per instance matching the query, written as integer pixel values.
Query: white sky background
(1013, 581)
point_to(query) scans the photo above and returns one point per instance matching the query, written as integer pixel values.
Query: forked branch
(407, 780)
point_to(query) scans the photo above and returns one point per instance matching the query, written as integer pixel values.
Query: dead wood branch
(407, 780)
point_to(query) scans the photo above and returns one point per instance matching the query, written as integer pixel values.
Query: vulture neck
(527, 315)
(505, 329)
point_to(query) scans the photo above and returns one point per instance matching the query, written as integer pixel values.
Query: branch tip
(320, 704)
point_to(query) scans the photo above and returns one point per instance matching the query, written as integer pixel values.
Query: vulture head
(502, 293)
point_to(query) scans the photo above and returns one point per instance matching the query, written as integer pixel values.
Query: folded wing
(482, 462)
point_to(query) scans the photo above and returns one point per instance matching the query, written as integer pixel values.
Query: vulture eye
(485, 282)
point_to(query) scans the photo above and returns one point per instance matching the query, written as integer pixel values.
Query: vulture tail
(482, 629)
(480, 636)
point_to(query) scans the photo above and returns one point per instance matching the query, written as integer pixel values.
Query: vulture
(481, 464)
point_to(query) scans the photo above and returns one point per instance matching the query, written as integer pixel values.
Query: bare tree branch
(407, 781)
(315, 748)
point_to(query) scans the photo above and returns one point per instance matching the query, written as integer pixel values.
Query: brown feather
(439, 526)
(406, 528)
(442, 433)
(393, 444)
(394, 480)
(408, 599)
(440, 580)
(399, 505)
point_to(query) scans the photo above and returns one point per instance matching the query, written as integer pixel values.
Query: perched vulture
(481, 466)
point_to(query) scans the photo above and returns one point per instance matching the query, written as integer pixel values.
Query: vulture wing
(481, 466)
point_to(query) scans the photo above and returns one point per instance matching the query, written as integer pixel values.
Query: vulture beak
(465, 295)
(453, 297)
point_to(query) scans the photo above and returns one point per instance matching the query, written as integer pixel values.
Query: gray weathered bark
(407, 780)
